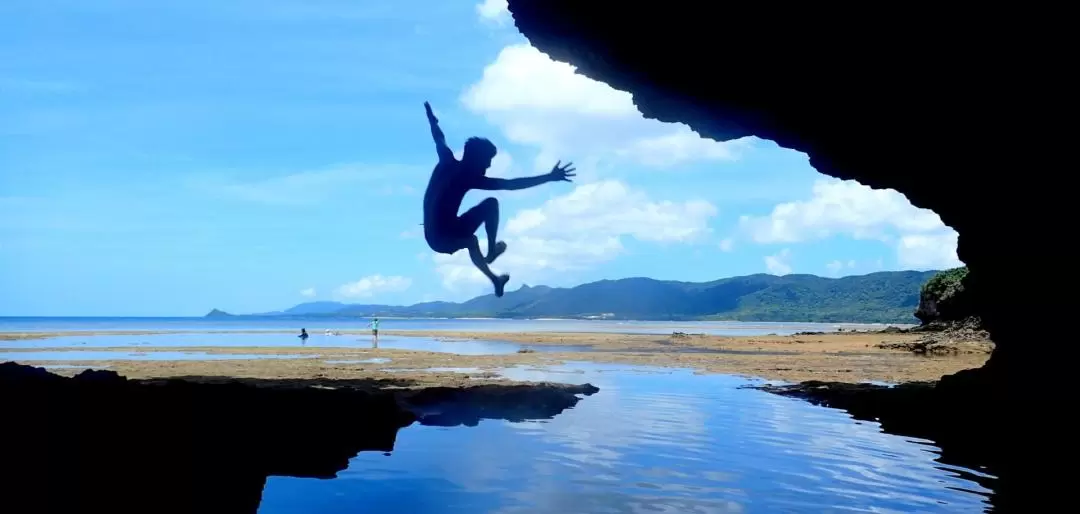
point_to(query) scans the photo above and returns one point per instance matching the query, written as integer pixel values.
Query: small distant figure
(444, 230)
(303, 335)
(374, 332)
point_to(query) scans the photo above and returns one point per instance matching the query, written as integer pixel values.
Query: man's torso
(445, 192)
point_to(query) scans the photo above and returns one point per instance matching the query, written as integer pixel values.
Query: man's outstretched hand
(430, 115)
(563, 172)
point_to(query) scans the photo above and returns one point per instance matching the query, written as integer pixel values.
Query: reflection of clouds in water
(846, 457)
(596, 430)
(616, 502)
(662, 442)
(584, 443)
(602, 444)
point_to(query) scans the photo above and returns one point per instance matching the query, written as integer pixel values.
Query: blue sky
(164, 159)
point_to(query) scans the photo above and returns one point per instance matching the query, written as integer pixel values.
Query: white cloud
(846, 207)
(577, 231)
(372, 285)
(936, 250)
(412, 233)
(543, 103)
(727, 244)
(309, 292)
(779, 264)
(494, 11)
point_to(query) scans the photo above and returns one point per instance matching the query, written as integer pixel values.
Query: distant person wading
(374, 330)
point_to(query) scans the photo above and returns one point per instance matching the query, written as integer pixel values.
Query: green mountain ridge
(882, 297)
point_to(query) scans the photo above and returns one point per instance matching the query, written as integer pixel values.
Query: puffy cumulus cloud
(610, 207)
(780, 263)
(937, 250)
(578, 231)
(309, 292)
(727, 244)
(543, 103)
(372, 285)
(496, 12)
(849, 208)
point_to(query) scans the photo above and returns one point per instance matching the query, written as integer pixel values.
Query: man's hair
(478, 146)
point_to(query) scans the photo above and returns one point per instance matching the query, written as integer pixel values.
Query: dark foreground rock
(852, 116)
(101, 442)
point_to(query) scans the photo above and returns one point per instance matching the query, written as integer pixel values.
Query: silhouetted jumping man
(444, 230)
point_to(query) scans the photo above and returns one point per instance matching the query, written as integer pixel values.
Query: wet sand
(843, 357)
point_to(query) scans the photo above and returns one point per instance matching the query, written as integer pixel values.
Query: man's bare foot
(500, 284)
(500, 247)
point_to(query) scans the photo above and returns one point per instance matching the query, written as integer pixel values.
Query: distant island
(883, 297)
(218, 314)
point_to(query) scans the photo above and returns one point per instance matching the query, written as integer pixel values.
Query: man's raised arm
(437, 134)
(512, 184)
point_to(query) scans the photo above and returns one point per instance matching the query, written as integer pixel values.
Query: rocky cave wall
(894, 99)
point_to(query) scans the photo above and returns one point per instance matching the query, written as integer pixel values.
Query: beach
(246, 418)
(851, 356)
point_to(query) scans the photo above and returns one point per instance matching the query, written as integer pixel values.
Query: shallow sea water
(270, 340)
(652, 440)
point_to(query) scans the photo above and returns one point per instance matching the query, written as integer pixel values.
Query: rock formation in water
(944, 300)
(101, 443)
(949, 324)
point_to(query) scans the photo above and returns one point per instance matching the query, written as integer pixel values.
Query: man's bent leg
(478, 260)
(486, 213)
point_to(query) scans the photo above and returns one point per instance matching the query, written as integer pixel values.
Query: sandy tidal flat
(845, 357)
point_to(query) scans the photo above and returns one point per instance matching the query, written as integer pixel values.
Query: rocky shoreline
(943, 338)
(966, 336)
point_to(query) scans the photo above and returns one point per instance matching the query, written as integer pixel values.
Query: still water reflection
(651, 441)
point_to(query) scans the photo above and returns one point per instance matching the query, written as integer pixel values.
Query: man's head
(478, 153)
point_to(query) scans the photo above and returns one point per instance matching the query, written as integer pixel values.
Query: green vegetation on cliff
(884, 297)
(943, 297)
